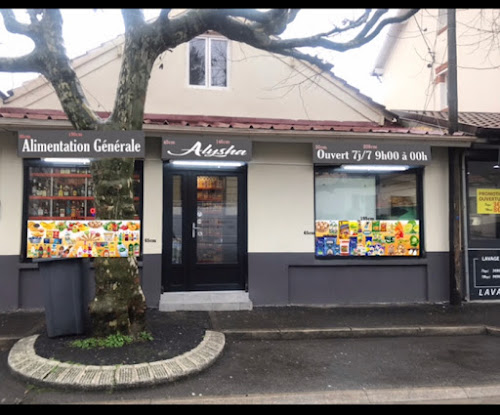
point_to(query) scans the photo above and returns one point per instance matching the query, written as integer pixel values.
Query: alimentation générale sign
(81, 143)
(202, 147)
(484, 274)
(370, 152)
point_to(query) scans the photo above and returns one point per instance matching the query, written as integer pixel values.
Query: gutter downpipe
(455, 158)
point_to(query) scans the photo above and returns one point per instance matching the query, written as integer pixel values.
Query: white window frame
(208, 69)
(442, 20)
(442, 88)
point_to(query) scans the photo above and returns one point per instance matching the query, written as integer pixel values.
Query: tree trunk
(119, 305)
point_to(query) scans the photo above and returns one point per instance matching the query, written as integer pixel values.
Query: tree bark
(119, 304)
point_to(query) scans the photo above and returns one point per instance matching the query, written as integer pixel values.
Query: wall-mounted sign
(81, 143)
(198, 147)
(370, 152)
(488, 201)
(484, 275)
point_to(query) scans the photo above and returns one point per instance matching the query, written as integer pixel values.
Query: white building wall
(436, 204)
(11, 195)
(152, 217)
(281, 199)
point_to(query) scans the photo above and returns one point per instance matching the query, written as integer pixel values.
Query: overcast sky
(105, 24)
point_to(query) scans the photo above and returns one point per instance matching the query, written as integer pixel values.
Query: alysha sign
(206, 148)
(82, 143)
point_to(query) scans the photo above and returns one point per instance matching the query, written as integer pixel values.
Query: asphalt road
(434, 369)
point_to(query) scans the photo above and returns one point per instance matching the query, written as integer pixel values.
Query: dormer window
(208, 62)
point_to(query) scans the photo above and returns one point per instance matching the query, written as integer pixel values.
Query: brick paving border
(24, 362)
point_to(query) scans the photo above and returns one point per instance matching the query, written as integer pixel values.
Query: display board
(484, 274)
(86, 238)
(367, 238)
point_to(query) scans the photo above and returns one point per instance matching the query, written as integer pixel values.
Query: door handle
(194, 228)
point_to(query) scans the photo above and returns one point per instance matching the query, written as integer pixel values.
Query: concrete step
(205, 301)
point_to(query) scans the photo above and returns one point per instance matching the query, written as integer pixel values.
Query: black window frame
(488, 157)
(27, 163)
(418, 171)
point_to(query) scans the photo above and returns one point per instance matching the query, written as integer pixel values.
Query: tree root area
(173, 333)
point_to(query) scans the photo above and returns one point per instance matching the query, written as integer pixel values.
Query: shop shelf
(61, 197)
(63, 175)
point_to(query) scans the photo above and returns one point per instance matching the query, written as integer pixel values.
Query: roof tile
(250, 123)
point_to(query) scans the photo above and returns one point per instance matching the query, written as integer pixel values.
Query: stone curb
(24, 361)
(351, 332)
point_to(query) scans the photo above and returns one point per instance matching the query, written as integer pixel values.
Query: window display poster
(86, 238)
(367, 238)
(488, 201)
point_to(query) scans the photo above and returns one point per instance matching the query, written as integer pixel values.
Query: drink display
(61, 193)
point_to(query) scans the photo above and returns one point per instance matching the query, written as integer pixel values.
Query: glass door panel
(177, 220)
(215, 229)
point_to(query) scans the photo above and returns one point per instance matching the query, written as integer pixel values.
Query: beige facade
(280, 198)
(286, 89)
(418, 52)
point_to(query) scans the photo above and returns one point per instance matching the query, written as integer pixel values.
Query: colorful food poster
(367, 238)
(86, 238)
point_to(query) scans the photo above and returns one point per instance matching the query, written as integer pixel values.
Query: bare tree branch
(144, 42)
(12, 25)
(133, 19)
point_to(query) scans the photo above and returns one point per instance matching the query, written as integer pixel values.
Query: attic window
(208, 62)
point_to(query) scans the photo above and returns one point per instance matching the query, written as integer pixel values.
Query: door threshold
(205, 301)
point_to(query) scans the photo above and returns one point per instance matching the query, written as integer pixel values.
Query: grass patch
(111, 341)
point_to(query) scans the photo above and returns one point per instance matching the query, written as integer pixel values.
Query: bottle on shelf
(60, 192)
(34, 188)
(68, 209)
(66, 190)
(82, 190)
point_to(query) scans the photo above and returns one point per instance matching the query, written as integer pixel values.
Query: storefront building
(317, 196)
(291, 218)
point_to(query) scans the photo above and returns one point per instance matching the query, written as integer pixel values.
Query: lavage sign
(81, 143)
(197, 147)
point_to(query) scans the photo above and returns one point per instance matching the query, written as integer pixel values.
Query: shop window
(367, 213)
(62, 195)
(208, 62)
(483, 180)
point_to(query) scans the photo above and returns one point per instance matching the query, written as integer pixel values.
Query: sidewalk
(281, 322)
(260, 323)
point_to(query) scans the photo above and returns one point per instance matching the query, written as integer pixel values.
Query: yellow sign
(488, 201)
